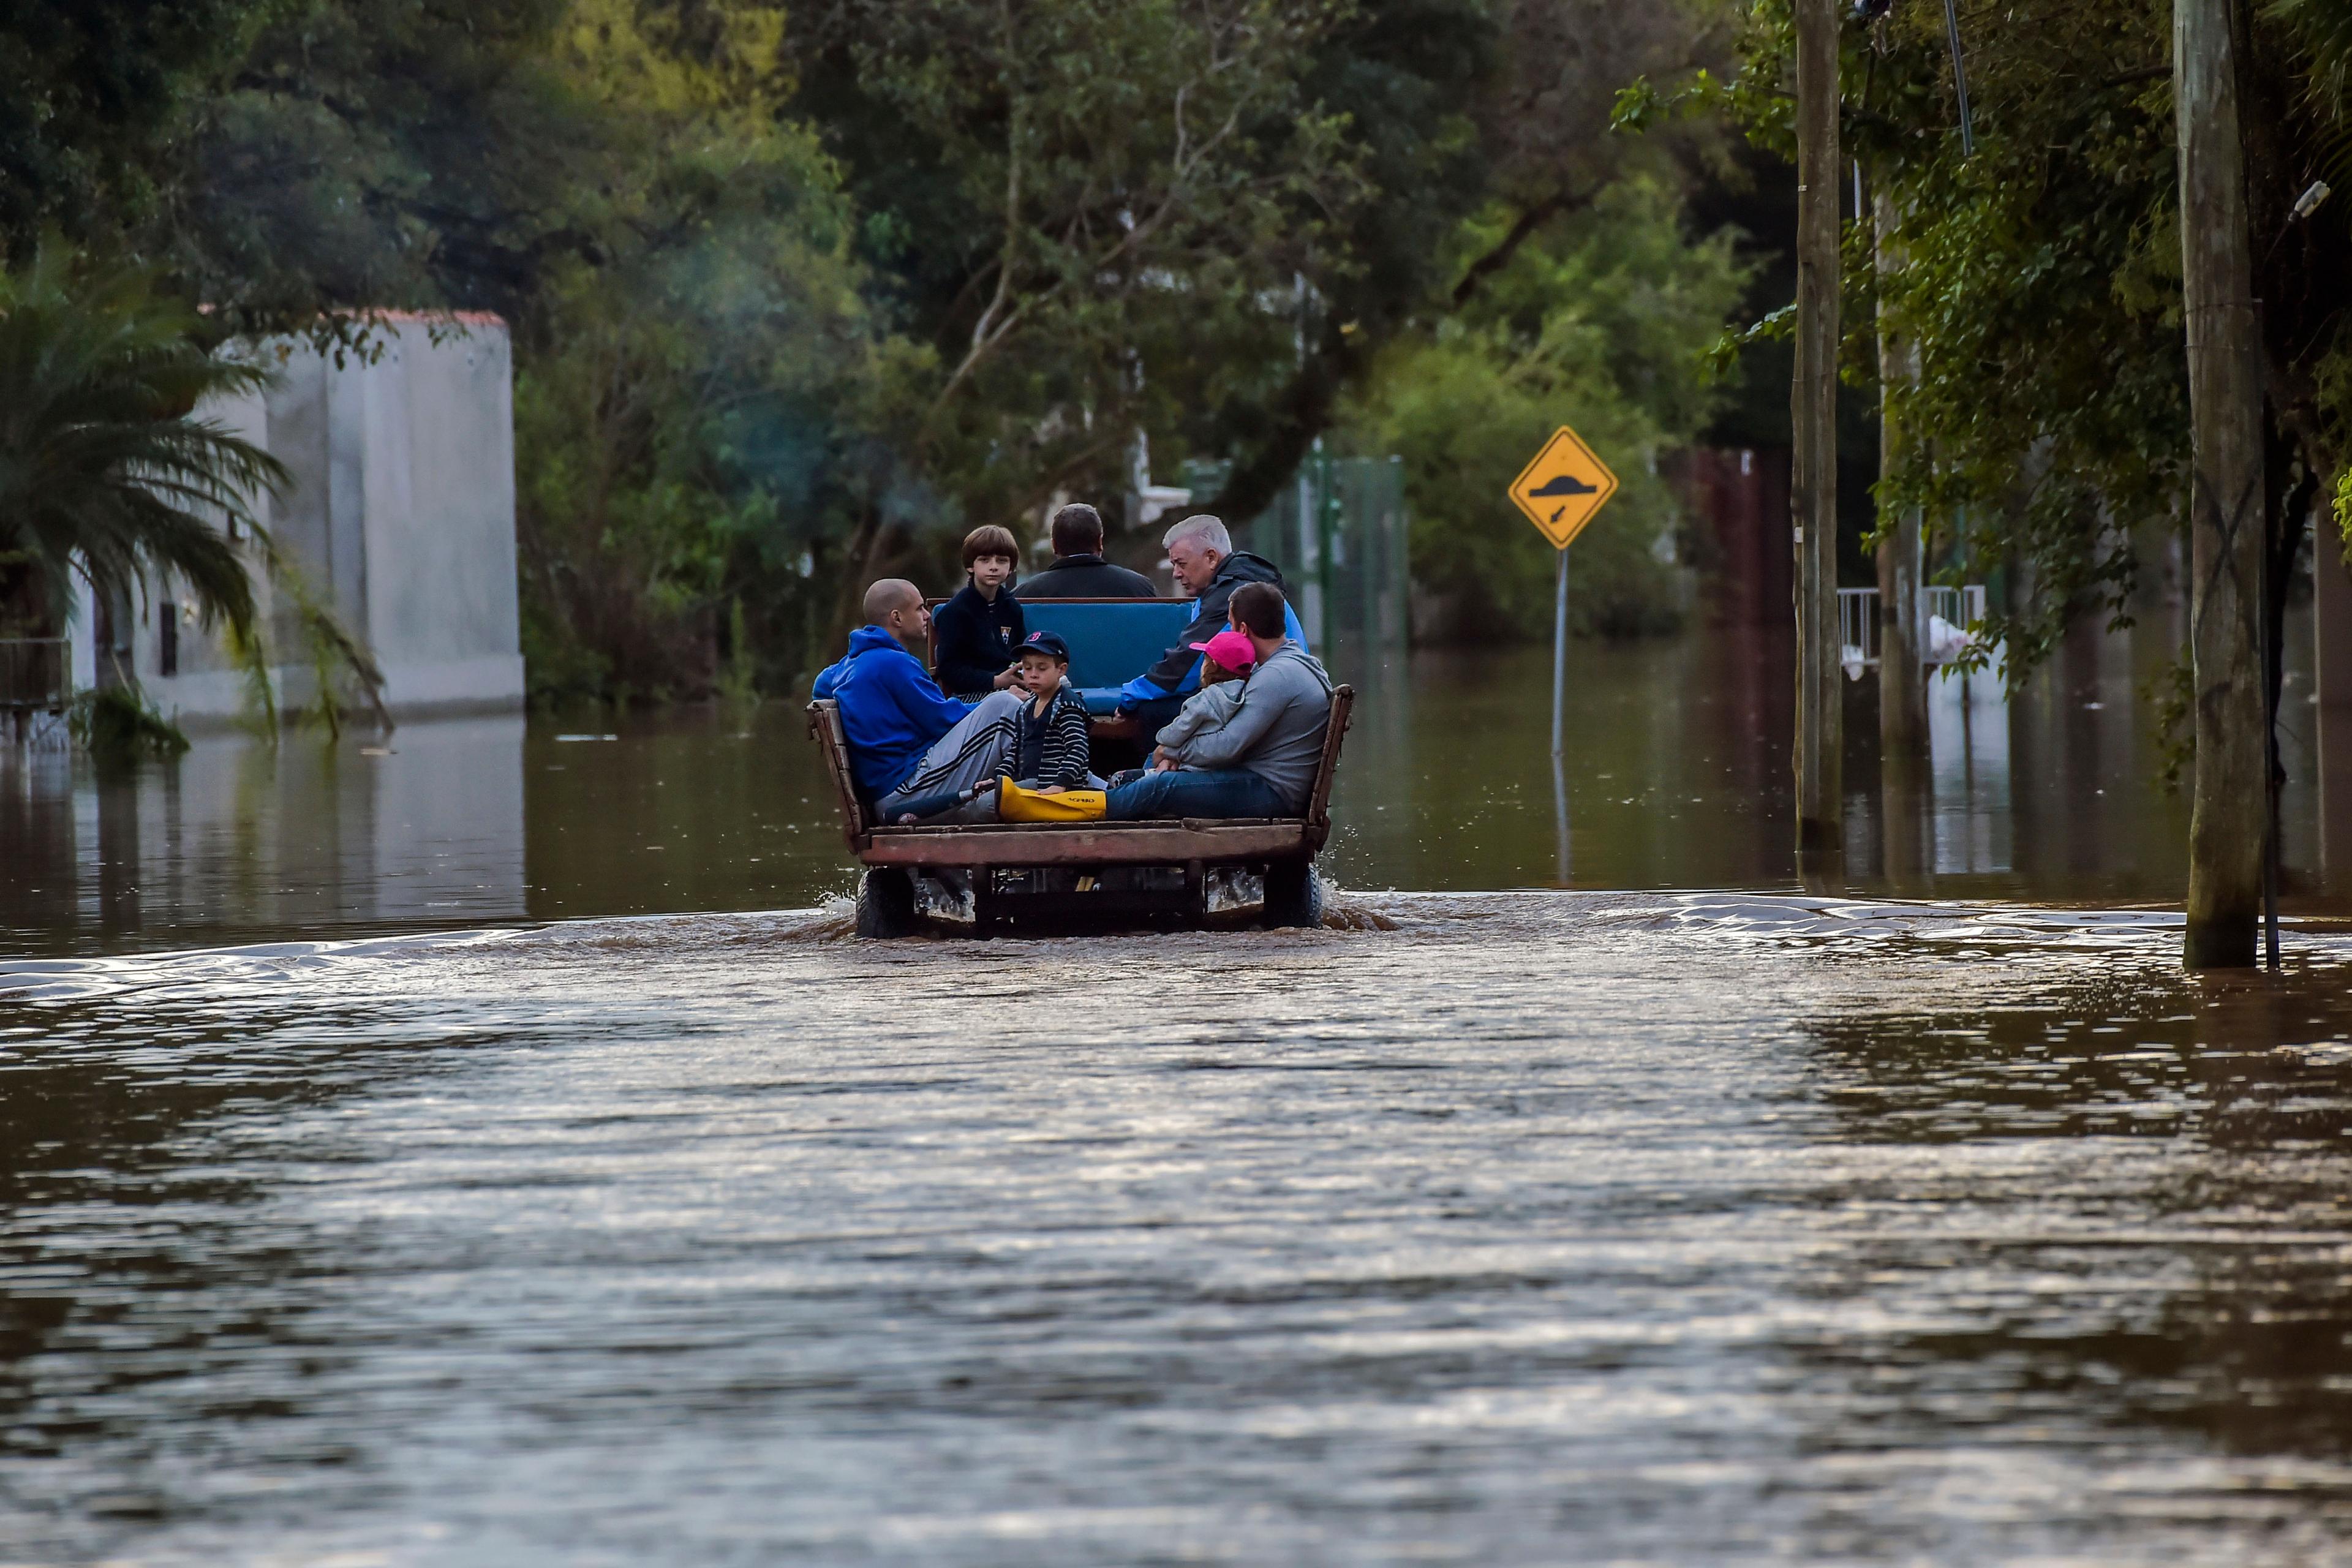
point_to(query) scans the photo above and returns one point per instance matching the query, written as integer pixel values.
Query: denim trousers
(1231, 791)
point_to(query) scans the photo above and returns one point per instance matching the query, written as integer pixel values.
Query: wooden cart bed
(1205, 841)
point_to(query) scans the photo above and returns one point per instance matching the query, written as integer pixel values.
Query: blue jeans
(1232, 791)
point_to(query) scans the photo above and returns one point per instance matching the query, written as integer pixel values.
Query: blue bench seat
(1112, 641)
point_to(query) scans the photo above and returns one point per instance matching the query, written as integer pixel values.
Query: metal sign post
(1561, 491)
(1559, 689)
(1558, 651)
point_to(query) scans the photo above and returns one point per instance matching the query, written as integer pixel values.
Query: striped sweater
(1051, 747)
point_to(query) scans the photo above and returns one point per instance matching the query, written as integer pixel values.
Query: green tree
(694, 354)
(1093, 214)
(106, 473)
(1598, 319)
(385, 154)
(2043, 285)
(1456, 109)
(96, 101)
(688, 415)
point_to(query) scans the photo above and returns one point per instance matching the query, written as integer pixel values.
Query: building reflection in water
(1967, 771)
(237, 837)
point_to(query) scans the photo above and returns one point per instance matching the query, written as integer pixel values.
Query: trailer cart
(1089, 874)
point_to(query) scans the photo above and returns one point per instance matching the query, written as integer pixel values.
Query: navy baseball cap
(1046, 642)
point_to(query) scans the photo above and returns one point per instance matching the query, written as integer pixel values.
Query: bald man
(907, 741)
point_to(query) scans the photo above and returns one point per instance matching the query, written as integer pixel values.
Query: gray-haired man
(1208, 569)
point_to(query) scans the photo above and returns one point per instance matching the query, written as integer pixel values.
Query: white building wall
(79, 618)
(439, 520)
(400, 517)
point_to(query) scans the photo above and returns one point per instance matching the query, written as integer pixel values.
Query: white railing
(1962, 608)
(1858, 626)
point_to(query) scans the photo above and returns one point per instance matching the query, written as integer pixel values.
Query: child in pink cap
(1226, 660)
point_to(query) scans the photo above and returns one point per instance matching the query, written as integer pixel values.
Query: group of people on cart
(1235, 711)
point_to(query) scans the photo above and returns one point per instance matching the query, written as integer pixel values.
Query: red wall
(1738, 500)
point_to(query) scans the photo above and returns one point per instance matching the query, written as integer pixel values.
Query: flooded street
(1540, 1228)
(1677, 778)
(451, 1118)
(495, 1152)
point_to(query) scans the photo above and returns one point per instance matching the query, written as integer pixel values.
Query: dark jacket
(1051, 746)
(1087, 577)
(890, 712)
(977, 640)
(1209, 618)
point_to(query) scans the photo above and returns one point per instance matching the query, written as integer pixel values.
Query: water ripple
(1494, 1229)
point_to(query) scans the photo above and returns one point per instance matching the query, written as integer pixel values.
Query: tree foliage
(105, 471)
(2039, 274)
(798, 294)
(1097, 217)
(694, 402)
(1600, 322)
(95, 100)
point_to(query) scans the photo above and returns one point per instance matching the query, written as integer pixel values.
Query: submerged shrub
(120, 723)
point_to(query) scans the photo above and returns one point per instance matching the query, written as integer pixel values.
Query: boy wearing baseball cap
(1049, 752)
(1226, 660)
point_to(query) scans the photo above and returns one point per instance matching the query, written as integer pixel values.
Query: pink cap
(1230, 648)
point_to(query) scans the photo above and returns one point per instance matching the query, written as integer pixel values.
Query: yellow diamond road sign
(1563, 487)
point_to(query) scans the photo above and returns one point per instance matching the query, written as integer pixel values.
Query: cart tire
(886, 904)
(1294, 894)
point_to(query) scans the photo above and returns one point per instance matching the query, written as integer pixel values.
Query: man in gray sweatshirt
(1260, 761)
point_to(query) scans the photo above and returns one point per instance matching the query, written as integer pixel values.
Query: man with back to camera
(1260, 759)
(1209, 569)
(1079, 571)
(907, 740)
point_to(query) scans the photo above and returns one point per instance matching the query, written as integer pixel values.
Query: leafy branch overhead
(799, 293)
(2041, 278)
(1085, 195)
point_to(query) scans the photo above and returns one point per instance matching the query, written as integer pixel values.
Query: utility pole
(1902, 693)
(1902, 687)
(2228, 826)
(1820, 837)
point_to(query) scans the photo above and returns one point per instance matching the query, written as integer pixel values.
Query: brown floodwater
(1676, 776)
(496, 1152)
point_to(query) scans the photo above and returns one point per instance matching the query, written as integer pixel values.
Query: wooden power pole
(1902, 683)
(1902, 693)
(2228, 819)
(1813, 410)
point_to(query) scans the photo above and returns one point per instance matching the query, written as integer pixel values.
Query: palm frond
(106, 470)
(2324, 29)
(332, 645)
(108, 474)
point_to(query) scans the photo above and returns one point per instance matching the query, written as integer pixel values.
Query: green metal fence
(1337, 533)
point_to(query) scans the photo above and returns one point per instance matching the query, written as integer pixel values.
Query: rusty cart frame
(1122, 869)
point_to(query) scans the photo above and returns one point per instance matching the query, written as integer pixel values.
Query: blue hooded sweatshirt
(891, 711)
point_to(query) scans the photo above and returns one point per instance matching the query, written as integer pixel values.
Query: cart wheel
(1294, 894)
(886, 904)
